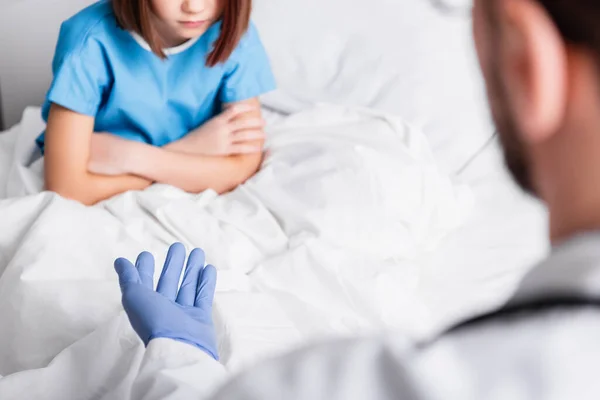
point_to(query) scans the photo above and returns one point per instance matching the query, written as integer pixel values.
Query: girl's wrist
(139, 154)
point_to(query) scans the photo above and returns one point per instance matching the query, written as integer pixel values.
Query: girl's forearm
(194, 173)
(181, 146)
(245, 115)
(90, 189)
(67, 153)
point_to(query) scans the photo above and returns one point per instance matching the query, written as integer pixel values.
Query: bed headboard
(28, 34)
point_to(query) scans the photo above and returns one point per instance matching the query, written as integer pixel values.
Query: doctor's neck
(566, 167)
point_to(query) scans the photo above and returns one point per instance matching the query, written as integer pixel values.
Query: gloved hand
(185, 314)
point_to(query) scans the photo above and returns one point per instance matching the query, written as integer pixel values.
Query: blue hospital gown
(104, 71)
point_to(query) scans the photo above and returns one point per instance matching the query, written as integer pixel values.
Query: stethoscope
(518, 310)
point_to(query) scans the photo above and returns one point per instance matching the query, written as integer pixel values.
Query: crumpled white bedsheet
(325, 240)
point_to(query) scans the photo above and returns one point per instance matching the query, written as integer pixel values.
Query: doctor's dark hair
(136, 16)
(577, 20)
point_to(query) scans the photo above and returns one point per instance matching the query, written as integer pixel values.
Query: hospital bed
(383, 204)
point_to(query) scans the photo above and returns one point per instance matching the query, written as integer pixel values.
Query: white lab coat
(551, 353)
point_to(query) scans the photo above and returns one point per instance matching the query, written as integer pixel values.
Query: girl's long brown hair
(136, 16)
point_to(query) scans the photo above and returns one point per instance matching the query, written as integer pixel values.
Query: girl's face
(180, 20)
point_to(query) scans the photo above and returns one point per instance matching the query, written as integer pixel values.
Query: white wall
(28, 33)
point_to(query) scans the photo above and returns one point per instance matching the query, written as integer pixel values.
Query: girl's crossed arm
(220, 155)
(67, 152)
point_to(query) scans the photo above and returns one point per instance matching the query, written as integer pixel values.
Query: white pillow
(400, 56)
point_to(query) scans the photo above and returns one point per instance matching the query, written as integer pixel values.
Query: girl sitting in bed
(155, 91)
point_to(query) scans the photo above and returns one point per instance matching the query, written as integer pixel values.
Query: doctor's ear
(533, 65)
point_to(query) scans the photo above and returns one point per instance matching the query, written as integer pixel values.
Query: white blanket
(326, 239)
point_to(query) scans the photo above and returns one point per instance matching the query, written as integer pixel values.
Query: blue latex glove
(183, 314)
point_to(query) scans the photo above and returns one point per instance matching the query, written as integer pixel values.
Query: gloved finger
(127, 273)
(145, 266)
(207, 284)
(169, 278)
(187, 292)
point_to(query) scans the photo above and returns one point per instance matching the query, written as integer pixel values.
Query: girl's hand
(227, 133)
(111, 155)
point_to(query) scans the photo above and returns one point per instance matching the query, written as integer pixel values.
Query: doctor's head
(168, 23)
(541, 63)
